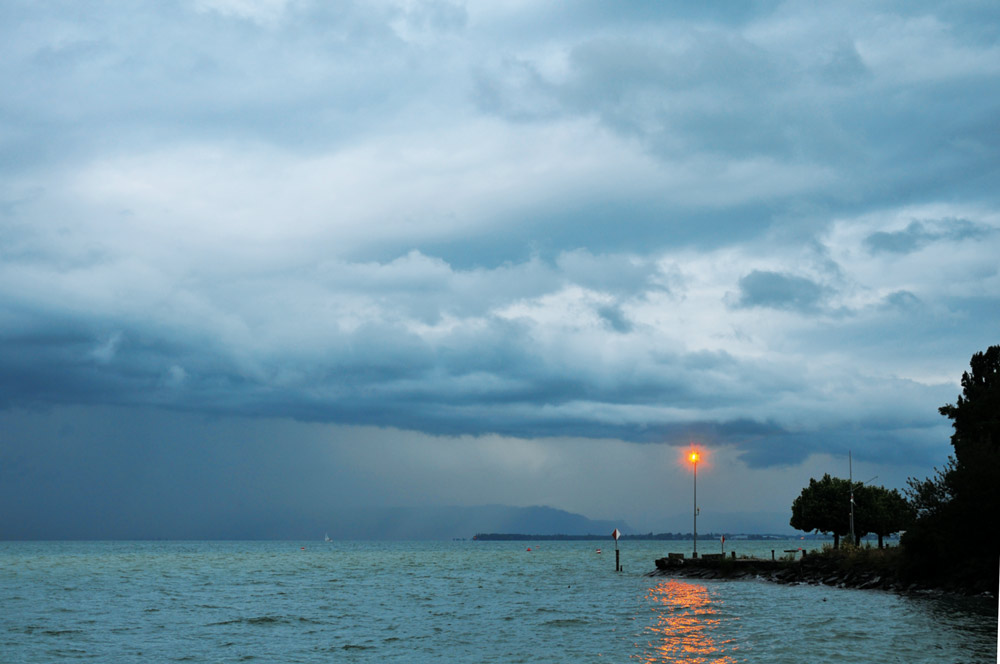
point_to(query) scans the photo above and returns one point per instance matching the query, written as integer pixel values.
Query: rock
(870, 583)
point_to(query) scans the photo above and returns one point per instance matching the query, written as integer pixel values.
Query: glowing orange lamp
(693, 457)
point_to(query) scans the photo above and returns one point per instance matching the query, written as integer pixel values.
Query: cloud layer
(774, 229)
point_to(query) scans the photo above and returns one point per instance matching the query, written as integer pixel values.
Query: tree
(930, 495)
(964, 497)
(881, 511)
(974, 479)
(824, 506)
(976, 414)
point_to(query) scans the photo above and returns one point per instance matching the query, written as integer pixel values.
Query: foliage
(884, 561)
(825, 505)
(881, 511)
(929, 495)
(964, 497)
(976, 414)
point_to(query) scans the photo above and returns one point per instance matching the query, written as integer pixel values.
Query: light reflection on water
(687, 625)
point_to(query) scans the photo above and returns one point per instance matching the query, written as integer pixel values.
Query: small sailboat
(326, 538)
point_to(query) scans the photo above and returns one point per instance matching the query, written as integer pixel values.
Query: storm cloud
(782, 291)
(772, 229)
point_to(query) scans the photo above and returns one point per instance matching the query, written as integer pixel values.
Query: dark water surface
(446, 601)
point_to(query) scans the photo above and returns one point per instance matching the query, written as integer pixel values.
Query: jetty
(812, 569)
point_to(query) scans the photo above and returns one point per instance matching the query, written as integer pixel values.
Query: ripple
(222, 601)
(565, 622)
(356, 646)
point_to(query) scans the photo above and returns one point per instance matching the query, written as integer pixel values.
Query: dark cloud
(615, 318)
(143, 473)
(670, 95)
(779, 291)
(455, 220)
(697, 88)
(917, 235)
(904, 300)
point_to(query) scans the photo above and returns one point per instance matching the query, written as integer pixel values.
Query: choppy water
(447, 601)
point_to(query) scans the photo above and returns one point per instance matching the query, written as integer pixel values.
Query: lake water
(450, 602)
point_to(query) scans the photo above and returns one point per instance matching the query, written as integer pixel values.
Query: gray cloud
(114, 472)
(647, 224)
(902, 300)
(779, 291)
(804, 87)
(614, 317)
(917, 235)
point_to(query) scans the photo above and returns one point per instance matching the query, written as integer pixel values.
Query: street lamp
(850, 483)
(850, 480)
(693, 457)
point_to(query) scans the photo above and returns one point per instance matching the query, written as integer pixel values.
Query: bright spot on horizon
(693, 456)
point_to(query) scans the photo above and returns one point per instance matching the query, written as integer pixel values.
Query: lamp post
(693, 456)
(850, 479)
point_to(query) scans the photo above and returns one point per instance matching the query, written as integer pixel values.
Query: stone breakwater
(811, 569)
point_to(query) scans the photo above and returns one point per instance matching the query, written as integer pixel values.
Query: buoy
(528, 549)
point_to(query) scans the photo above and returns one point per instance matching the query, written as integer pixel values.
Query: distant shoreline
(520, 537)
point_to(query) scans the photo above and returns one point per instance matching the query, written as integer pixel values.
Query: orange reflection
(686, 628)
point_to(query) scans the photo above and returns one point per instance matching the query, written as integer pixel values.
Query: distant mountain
(366, 523)
(400, 523)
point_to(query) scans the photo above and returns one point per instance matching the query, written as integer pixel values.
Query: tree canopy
(881, 511)
(976, 413)
(825, 506)
(962, 499)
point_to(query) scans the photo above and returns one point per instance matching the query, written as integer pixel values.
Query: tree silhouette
(963, 498)
(881, 511)
(824, 506)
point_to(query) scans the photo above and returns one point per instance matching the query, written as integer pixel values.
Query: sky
(282, 261)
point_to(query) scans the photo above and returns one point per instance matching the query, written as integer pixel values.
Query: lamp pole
(694, 460)
(850, 480)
